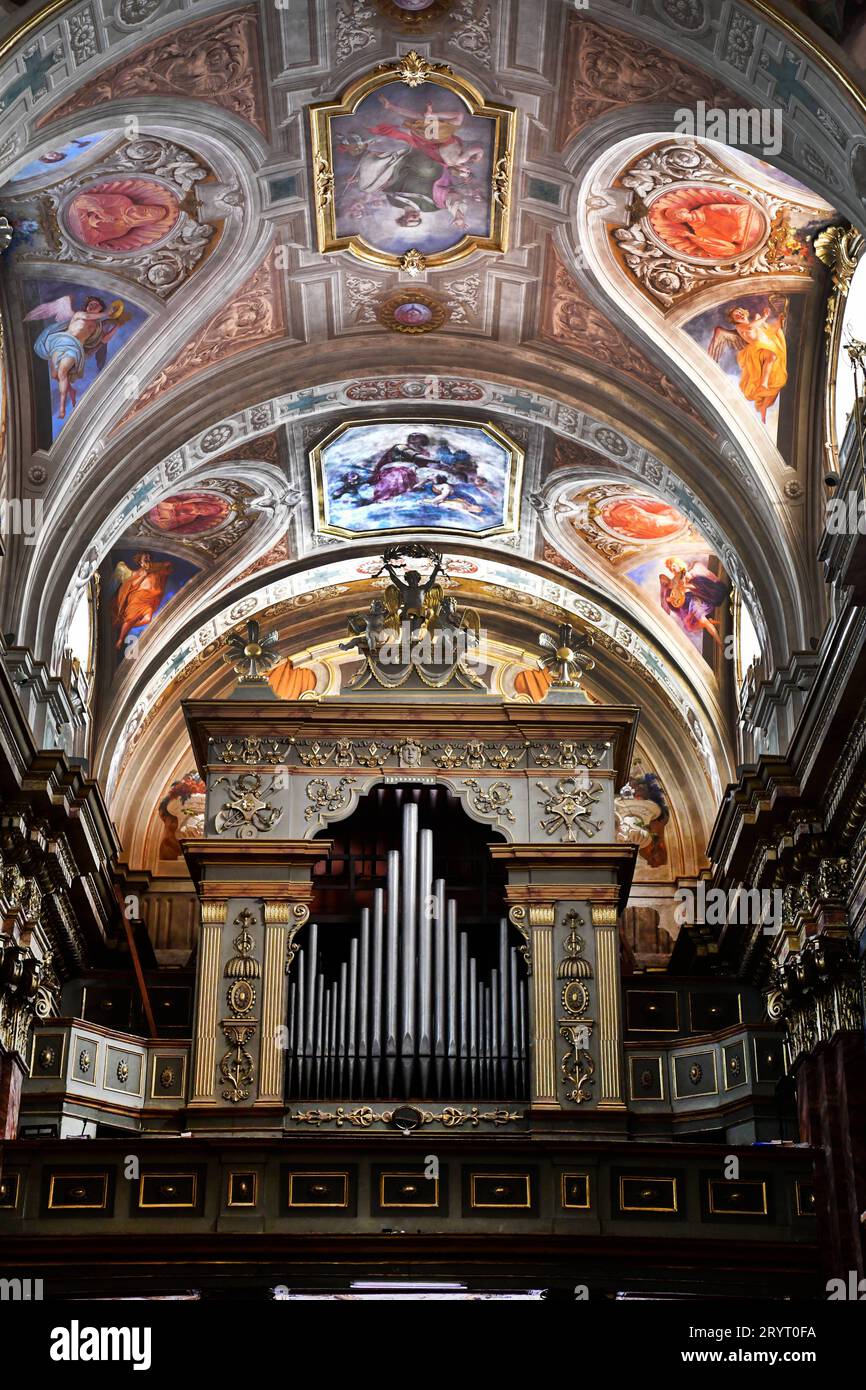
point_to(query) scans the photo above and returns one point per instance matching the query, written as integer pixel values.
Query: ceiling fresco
(375, 478)
(288, 284)
(648, 543)
(720, 246)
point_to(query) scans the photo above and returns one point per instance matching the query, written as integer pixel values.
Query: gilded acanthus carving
(576, 1066)
(215, 61)
(490, 798)
(471, 754)
(29, 993)
(520, 918)
(839, 248)
(816, 993)
(363, 1116)
(236, 1066)
(326, 798)
(253, 750)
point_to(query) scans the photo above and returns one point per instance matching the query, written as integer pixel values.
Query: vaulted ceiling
(236, 194)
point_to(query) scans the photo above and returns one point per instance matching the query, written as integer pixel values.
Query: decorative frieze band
(472, 754)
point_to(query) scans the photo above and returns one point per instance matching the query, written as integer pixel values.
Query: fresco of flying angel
(72, 336)
(762, 354)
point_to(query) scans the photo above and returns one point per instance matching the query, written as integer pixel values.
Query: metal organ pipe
(450, 1005)
(409, 866)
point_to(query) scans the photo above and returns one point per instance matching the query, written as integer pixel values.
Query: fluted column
(213, 916)
(283, 921)
(605, 926)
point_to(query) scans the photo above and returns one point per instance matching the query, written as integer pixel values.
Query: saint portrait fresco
(189, 514)
(77, 331)
(416, 169)
(182, 812)
(691, 590)
(141, 584)
(375, 477)
(122, 215)
(706, 223)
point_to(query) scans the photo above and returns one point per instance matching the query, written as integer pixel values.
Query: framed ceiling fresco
(373, 477)
(412, 167)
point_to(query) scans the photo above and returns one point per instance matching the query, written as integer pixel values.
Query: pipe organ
(404, 993)
(410, 1005)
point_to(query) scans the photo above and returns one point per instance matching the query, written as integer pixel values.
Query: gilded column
(535, 923)
(604, 921)
(283, 920)
(213, 916)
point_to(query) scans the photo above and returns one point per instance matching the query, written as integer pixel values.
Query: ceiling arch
(234, 370)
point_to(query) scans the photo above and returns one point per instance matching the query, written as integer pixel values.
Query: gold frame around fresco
(413, 70)
(513, 490)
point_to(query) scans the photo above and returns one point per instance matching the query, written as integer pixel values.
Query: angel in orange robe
(140, 593)
(761, 348)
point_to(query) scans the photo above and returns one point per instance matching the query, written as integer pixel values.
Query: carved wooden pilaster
(605, 926)
(213, 916)
(283, 921)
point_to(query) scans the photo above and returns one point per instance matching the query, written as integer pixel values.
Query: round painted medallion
(121, 216)
(706, 222)
(638, 518)
(189, 513)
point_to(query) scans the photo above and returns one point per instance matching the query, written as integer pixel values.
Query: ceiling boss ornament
(412, 167)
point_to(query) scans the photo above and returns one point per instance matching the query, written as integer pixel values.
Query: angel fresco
(690, 592)
(72, 337)
(760, 345)
(138, 594)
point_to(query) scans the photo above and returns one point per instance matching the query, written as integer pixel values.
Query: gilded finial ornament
(568, 655)
(252, 655)
(573, 967)
(415, 70)
(413, 263)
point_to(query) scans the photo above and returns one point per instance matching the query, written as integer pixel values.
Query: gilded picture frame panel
(413, 71)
